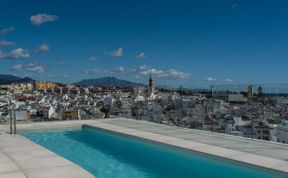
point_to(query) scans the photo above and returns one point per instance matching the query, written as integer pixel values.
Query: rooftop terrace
(257, 147)
(16, 151)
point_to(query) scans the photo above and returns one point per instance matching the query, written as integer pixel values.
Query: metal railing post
(14, 122)
(11, 121)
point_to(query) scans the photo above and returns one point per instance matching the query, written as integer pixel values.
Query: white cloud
(95, 71)
(5, 31)
(93, 58)
(2, 54)
(172, 73)
(120, 69)
(153, 72)
(4, 43)
(177, 74)
(141, 56)
(228, 80)
(117, 53)
(31, 64)
(138, 77)
(16, 67)
(144, 67)
(40, 19)
(143, 70)
(17, 54)
(210, 79)
(36, 68)
(31, 67)
(43, 47)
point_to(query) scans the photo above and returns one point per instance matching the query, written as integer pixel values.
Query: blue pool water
(109, 155)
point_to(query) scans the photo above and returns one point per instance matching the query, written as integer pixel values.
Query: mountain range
(105, 81)
(108, 81)
(8, 79)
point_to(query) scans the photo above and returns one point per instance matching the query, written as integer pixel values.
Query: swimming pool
(109, 155)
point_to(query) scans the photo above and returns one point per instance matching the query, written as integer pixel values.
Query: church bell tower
(151, 88)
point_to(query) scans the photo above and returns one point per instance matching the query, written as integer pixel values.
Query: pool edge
(238, 157)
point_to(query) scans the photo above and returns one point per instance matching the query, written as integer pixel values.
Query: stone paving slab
(8, 167)
(17, 174)
(21, 158)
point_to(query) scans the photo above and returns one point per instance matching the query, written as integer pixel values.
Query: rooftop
(257, 147)
(36, 162)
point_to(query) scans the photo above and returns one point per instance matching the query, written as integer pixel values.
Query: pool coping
(22, 158)
(243, 158)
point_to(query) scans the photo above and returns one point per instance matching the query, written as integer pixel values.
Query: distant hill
(108, 81)
(8, 79)
(26, 80)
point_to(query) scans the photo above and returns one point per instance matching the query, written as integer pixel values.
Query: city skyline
(185, 43)
(143, 88)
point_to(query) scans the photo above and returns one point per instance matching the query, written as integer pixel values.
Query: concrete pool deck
(260, 153)
(173, 136)
(257, 147)
(22, 158)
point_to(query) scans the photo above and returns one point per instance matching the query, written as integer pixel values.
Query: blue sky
(188, 42)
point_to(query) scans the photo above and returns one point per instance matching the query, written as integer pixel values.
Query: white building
(282, 132)
(239, 121)
(235, 98)
(21, 115)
